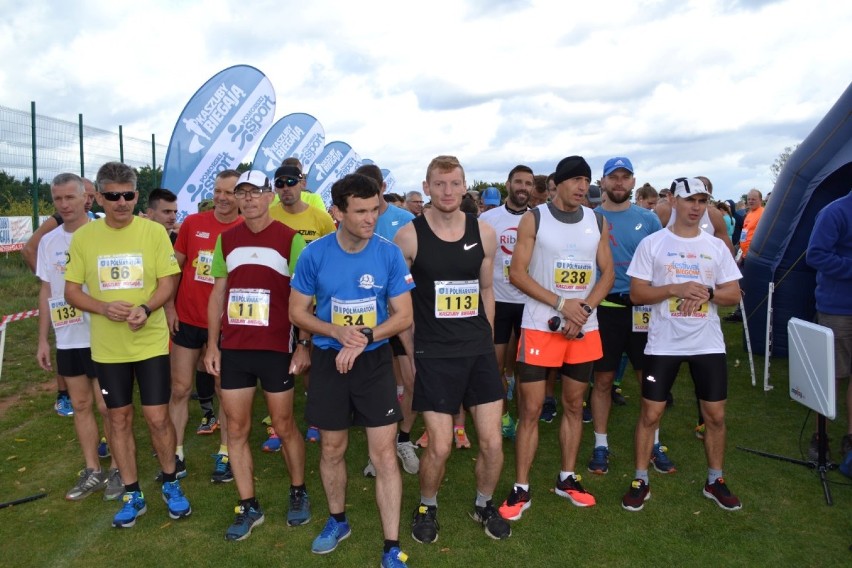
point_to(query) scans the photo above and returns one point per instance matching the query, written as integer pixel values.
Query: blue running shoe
(103, 449)
(600, 460)
(510, 387)
(273, 443)
(132, 506)
(395, 558)
(63, 407)
(299, 512)
(313, 435)
(222, 469)
(661, 460)
(246, 520)
(175, 499)
(330, 537)
(548, 410)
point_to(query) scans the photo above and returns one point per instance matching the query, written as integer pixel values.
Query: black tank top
(455, 266)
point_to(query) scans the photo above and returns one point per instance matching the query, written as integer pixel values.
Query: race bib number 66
(120, 272)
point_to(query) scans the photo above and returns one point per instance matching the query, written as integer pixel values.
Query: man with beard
(509, 301)
(622, 327)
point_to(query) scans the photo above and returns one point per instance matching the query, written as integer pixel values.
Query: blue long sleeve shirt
(830, 253)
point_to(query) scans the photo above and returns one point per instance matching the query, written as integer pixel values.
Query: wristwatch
(304, 342)
(147, 310)
(711, 292)
(587, 307)
(368, 333)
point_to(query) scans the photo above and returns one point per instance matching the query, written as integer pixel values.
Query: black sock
(132, 487)
(169, 477)
(339, 517)
(206, 387)
(62, 393)
(301, 488)
(250, 503)
(390, 544)
(403, 437)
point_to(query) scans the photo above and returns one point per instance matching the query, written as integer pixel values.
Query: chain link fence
(64, 146)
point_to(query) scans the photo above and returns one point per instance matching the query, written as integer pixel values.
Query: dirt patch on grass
(9, 401)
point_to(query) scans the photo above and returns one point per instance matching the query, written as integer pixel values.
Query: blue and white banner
(297, 135)
(390, 180)
(335, 161)
(215, 131)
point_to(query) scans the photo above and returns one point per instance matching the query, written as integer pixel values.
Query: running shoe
(548, 410)
(394, 558)
(510, 386)
(513, 508)
(114, 487)
(661, 461)
(424, 525)
(330, 537)
(221, 469)
(88, 482)
(599, 463)
(63, 407)
(423, 441)
(509, 427)
(103, 449)
(718, 491)
(587, 413)
(208, 425)
(572, 490)
(369, 469)
(313, 436)
(247, 519)
(273, 443)
(617, 396)
(132, 506)
(180, 470)
(636, 496)
(495, 526)
(406, 452)
(177, 502)
(462, 443)
(299, 511)
(699, 431)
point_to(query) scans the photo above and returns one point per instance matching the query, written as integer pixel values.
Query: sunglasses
(116, 195)
(254, 192)
(283, 182)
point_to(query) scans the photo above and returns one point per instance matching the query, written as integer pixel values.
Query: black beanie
(570, 167)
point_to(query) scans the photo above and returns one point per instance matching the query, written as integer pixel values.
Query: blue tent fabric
(817, 173)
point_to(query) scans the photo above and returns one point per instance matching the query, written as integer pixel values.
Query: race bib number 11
(248, 306)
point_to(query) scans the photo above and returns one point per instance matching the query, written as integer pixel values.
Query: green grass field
(784, 521)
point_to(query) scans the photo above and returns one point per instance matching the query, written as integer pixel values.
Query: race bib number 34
(456, 298)
(570, 275)
(248, 306)
(120, 272)
(354, 312)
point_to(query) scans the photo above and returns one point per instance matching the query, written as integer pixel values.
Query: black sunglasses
(116, 195)
(281, 182)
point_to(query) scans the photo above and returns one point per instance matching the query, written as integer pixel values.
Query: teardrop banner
(296, 135)
(390, 180)
(335, 161)
(217, 128)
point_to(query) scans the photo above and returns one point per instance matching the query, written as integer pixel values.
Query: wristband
(147, 310)
(559, 304)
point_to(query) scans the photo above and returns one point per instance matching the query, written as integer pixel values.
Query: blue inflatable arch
(817, 173)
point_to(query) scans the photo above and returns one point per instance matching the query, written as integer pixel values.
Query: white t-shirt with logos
(665, 258)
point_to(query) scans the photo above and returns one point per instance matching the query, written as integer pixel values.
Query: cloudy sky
(715, 87)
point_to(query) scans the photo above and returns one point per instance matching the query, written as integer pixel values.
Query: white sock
(563, 475)
(656, 436)
(601, 440)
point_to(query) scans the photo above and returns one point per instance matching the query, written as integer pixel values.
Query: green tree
(778, 164)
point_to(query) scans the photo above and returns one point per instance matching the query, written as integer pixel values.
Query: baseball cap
(491, 196)
(685, 187)
(254, 177)
(288, 171)
(594, 195)
(615, 163)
